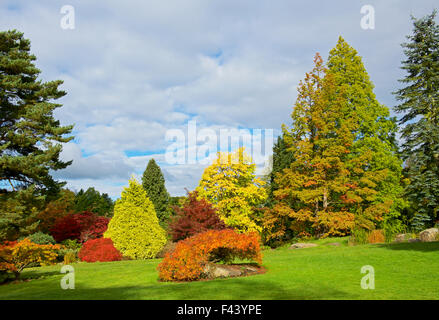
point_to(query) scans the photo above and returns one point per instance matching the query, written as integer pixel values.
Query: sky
(133, 70)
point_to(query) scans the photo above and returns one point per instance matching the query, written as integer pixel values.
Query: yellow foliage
(14, 257)
(231, 186)
(135, 228)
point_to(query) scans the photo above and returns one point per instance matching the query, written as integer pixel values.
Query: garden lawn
(402, 271)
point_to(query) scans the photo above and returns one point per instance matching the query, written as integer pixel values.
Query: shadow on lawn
(415, 246)
(232, 289)
(37, 274)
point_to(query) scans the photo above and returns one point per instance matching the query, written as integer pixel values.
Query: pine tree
(134, 228)
(419, 104)
(376, 130)
(30, 137)
(153, 182)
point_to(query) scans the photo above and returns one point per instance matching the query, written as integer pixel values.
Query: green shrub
(359, 236)
(134, 228)
(40, 238)
(71, 244)
(5, 276)
(63, 252)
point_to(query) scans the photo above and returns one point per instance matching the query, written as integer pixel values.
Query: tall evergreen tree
(376, 130)
(153, 182)
(30, 137)
(419, 104)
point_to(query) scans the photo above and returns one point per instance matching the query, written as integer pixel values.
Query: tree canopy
(30, 137)
(419, 106)
(153, 182)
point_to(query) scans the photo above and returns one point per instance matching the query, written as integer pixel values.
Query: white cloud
(133, 70)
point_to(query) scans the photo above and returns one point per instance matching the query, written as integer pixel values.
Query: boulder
(302, 245)
(429, 235)
(414, 240)
(221, 271)
(402, 237)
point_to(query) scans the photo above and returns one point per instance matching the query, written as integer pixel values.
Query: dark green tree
(30, 137)
(153, 182)
(282, 158)
(419, 106)
(92, 200)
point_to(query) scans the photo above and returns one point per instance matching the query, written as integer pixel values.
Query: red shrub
(66, 228)
(196, 216)
(101, 249)
(96, 229)
(79, 226)
(191, 255)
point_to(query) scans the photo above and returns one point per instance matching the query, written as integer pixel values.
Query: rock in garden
(221, 271)
(429, 235)
(302, 245)
(402, 237)
(414, 240)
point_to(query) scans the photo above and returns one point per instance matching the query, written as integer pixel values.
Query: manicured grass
(402, 271)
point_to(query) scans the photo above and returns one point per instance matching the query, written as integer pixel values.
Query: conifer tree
(30, 137)
(92, 200)
(153, 182)
(134, 228)
(325, 191)
(376, 130)
(282, 158)
(419, 106)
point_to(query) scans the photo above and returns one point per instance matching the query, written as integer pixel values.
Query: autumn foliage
(15, 256)
(376, 236)
(231, 185)
(196, 216)
(79, 226)
(187, 261)
(101, 249)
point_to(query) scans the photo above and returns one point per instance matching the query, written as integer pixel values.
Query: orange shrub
(15, 256)
(187, 261)
(376, 236)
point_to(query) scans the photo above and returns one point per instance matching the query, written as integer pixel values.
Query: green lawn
(402, 271)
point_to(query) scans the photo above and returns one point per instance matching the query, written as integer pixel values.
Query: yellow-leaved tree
(231, 186)
(135, 228)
